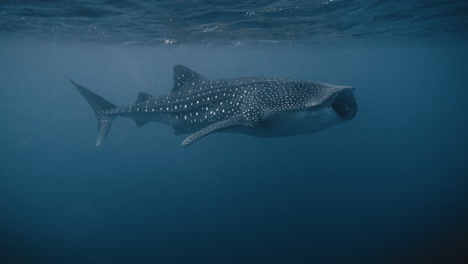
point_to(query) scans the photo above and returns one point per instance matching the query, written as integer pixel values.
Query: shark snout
(345, 104)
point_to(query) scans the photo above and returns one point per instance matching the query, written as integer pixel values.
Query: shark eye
(345, 105)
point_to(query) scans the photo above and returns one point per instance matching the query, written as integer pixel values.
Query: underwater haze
(389, 186)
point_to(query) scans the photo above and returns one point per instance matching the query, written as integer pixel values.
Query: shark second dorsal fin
(185, 77)
(142, 97)
(232, 122)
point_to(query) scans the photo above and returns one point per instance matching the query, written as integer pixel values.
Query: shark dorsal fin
(142, 97)
(185, 77)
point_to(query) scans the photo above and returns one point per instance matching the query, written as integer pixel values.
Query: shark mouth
(345, 105)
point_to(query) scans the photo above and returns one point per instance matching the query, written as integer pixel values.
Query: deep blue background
(387, 187)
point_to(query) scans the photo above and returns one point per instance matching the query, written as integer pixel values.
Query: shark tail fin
(100, 106)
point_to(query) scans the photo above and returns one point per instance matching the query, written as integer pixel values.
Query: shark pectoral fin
(232, 122)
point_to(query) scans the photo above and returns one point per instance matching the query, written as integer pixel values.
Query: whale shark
(257, 106)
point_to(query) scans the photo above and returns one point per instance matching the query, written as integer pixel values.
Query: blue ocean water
(389, 186)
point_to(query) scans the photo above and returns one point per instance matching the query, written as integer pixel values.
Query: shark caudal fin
(100, 106)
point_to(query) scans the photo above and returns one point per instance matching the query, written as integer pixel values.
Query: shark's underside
(255, 106)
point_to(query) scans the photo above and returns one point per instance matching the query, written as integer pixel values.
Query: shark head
(321, 95)
(317, 106)
(344, 104)
(335, 106)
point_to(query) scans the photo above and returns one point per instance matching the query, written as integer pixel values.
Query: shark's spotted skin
(257, 106)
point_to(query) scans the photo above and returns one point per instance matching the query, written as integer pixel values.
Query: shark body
(258, 106)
